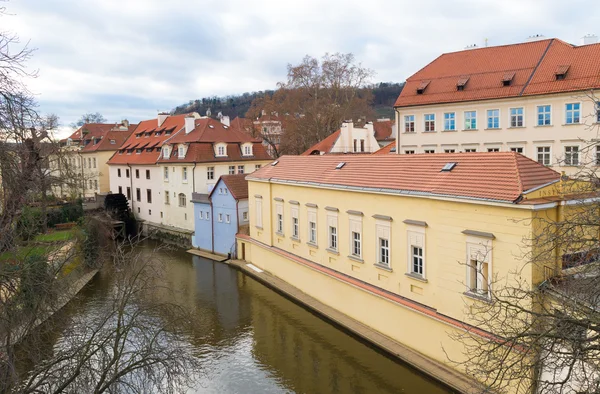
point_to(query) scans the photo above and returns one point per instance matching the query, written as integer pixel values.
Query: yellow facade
(430, 306)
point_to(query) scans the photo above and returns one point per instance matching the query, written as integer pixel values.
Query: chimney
(225, 120)
(589, 39)
(535, 37)
(162, 116)
(125, 123)
(189, 124)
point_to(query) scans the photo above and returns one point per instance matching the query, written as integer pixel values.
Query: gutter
(131, 186)
(194, 178)
(212, 227)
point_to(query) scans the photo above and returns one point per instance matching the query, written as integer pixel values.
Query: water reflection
(252, 340)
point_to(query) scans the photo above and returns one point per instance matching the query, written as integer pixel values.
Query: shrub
(29, 223)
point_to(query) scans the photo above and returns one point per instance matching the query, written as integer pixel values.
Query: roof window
(340, 165)
(275, 163)
(422, 86)
(448, 167)
(393, 149)
(507, 78)
(113, 142)
(211, 126)
(561, 72)
(462, 81)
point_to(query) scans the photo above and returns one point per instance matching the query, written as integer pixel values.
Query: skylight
(275, 163)
(211, 126)
(340, 165)
(448, 167)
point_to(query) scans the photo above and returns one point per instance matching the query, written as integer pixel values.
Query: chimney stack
(189, 124)
(225, 120)
(162, 116)
(125, 123)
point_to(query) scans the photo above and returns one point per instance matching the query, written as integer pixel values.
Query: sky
(129, 59)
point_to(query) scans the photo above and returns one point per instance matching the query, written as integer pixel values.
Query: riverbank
(438, 371)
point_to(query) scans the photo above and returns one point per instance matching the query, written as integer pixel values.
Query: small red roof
(324, 146)
(210, 130)
(386, 149)
(497, 176)
(237, 185)
(530, 68)
(203, 152)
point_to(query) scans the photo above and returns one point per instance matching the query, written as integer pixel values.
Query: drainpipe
(131, 187)
(82, 175)
(212, 227)
(194, 178)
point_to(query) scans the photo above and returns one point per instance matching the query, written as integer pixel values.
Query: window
(493, 150)
(166, 197)
(312, 225)
(182, 200)
(471, 150)
(149, 195)
(362, 145)
(247, 150)
(470, 120)
(450, 121)
(449, 150)
(279, 218)
(493, 119)
(543, 155)
(89, 161)
(221, 151)
(94, 162)
(119, 172)
(573, 113)
(120, 190)
(225, 190)
(429, 122)
(354, 145)
(126, 172)
(137, 174)
(138, 194)
(417, 260)
(543, 115)
(258, 211)
(240, 169)
(516, 117)
(200, 215)
(220, 217)
(356, 244)
(95, 184)
(333, 237)
(256, 167)
(409, 123)
(598, 111)
(184, 174)
(245, 216)
(180, 153)
(231, 170)
(295, 223)
(207, 215)
(409, 152)
(166, 152)
(429, 150)
(478, 276)
(166, 174)
(227, 218)
(147, 174)
(128, 193)
(572, 155)
(598, 155)
(384, 251)
(210, 173)
(517, 149)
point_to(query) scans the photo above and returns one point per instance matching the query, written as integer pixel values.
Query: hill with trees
(384, 94)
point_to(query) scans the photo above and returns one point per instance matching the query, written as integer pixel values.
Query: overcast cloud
(130, 58)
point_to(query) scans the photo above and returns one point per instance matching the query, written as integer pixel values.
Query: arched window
(182, 200)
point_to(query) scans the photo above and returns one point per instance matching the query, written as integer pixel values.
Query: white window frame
(166, 174)
(201, 215)
(221, 150)
(598, 155)
(515, 149)
(355, 222)
(231, 170)
(479, 250)
(184, 177)
(537, 115)
(425, 120)
(333, 239)
(516, 117)
(241, 169)
(383, 232)
(573, 111)
(258, 202)
(295, 222)
(279, 219)
(181, 152)
(576, 153)
(549, 153)
(210, 173)
(312, 226)
(468, 126)
(182, 203)
(409, 123)
(245, 216)
(490, 115)
(449, 121)
(227, 218)
(220, 218)
(415, 237)
(207, 216)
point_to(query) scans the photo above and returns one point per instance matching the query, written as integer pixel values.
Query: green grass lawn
(25, 251)
(56, 236)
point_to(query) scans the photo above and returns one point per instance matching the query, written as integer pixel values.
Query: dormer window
(137, 135)
(462, 81)
(157, 133)
(181, 151)
(166, 152)
(247, 149)
(507, 78)
(422, 86)
(138, 151)
(112, 142)
(561, 72)
(221, 150)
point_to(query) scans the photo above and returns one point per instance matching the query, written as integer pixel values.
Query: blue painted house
(219, 215)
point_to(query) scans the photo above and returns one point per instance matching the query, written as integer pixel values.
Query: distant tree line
(384, 95)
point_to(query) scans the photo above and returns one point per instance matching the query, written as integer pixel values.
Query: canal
(253, 340)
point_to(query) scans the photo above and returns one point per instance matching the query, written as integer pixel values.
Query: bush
(29, 223)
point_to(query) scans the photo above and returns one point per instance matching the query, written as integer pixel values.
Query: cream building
(535, 98)
(348, 139)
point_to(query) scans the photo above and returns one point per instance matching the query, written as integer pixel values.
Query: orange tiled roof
(210, 130)
(498, 176)
(325, 145)
(383, 130)
(204, 153)
(237, 185)
(531, 67)
(386, 149)
(172, 124)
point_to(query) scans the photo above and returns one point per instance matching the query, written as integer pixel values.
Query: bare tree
(89, 117)
(545, 330)
(316, 98)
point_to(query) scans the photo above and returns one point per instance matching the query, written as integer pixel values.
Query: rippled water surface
(253, 340)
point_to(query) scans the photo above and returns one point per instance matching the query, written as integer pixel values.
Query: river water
(253, 340)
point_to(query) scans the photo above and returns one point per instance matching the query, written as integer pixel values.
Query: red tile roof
(204, 153)
(242, 124)
(498, 176)
(210, 130)
(98, 136)
(532, 64)
(323, 146)
(237, 185)
(386, 149)
(173, 123)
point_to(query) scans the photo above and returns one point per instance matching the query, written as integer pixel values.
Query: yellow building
(405, 244)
